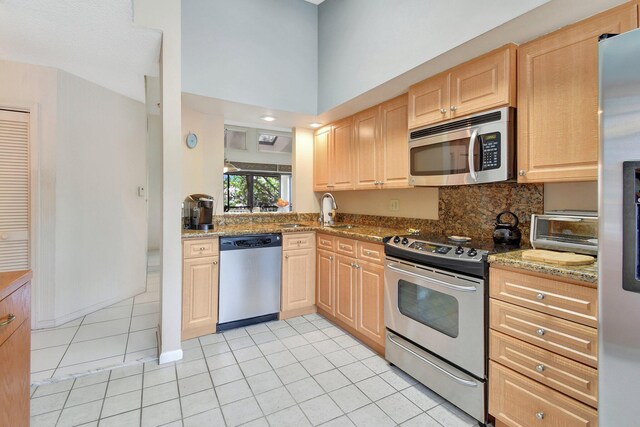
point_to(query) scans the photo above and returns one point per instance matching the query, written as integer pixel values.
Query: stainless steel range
(435, 310)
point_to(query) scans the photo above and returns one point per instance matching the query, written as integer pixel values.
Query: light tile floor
(299, 372)
(122, 333)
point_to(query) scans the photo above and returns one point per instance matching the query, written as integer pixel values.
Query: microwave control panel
(491, 153)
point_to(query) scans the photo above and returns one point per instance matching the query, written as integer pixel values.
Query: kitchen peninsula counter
(360, 232)
(513, 259)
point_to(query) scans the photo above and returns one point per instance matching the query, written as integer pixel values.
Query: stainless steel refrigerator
(619, 210)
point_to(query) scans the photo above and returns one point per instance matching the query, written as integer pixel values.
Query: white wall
(304, 199)
(101, 223)
(582, 196)
(202, 166)
(165, 15)
(354, 58)
(88, 225)
(257, 52)
(36, 88)
(154, 181)
(418, 202)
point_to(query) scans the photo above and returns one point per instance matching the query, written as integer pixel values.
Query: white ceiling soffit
(93, 39)
(314, 1)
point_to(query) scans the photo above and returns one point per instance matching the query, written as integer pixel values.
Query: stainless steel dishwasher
(250, 280)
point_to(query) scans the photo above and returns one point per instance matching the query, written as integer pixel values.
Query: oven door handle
(472, 146)
(457, 379)
(430, 279)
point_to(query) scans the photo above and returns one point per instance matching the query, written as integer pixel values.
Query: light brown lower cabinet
(200, 273)
(519, 401)
(298, 294)
(350, 288)
(543, 356)
(15, 347)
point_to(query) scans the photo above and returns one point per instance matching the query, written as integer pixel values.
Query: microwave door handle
(472, 146)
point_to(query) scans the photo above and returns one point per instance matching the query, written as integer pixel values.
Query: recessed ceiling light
(315, 125)
(268, 118)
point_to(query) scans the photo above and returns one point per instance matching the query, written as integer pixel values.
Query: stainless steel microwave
(472, 150)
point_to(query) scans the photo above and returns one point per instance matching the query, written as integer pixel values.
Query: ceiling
(93, 39)
(314, 1)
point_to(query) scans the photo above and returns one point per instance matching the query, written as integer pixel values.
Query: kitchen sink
(340, 226)
(290, 225)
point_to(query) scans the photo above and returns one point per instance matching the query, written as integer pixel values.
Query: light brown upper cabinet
(333, 157)
(558, 99)
(488, 81)
(381, 149)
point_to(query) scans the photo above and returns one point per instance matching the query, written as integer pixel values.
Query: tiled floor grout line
(124, 357)
(67, 349)
(104, 398)
(65, 403)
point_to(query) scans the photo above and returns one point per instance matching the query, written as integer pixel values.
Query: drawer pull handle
(540, 368)
(541, 332)
(10, 318)
(367, 252)
(324, 242)
(540, 415)
(215, 262)
(330, 258)
(343, 247)
(540, 296)
(299, 241)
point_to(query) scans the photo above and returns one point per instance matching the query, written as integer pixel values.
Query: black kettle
(507, 233)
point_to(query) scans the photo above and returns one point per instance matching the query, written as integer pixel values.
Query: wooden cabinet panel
(556, 297)
(370, 312)
(429, 101)
(17, 305)
(345, 288)
(325, 241)
(520, 402)
(199, 296)
(200, 247)
(298, 241)
(558, 99)
(325, 273)
(321, 164)
(561, 336)
(484, 83)
(367, 149)
(346, 246)
(393, 163)
(15, 376)
(342, 155)
(371, 252)
(572, 378)
(298, 279)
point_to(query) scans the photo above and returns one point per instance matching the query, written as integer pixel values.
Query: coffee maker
(197, 212)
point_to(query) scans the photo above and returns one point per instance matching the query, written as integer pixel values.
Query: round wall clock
(192, 140)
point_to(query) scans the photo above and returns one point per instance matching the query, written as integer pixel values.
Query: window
(235, 139)
(244, 191)
(272, 142)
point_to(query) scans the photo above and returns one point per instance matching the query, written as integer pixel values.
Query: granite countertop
(582, 273)
(361, 232)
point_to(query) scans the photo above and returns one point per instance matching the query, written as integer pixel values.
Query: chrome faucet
(326, 218)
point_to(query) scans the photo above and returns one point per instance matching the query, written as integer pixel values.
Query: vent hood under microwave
(472, 150)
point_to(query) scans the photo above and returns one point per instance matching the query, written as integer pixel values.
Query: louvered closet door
(14, 190)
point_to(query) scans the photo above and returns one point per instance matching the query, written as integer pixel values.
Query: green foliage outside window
(246, 191)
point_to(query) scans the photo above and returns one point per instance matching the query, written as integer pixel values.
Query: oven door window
(444, 158)
(431, 308)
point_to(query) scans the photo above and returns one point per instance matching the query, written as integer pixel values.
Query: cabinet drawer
(569, 339)
(14, 310)
(520, 402)
(562, 299)
(298, 241)
(325, 242)
(371, 252)
(345, 246)
(199, 248)
(572, 378)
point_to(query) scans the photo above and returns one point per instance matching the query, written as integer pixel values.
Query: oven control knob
(459, 250)
(405, 241)
(472, 252)
(396, 239)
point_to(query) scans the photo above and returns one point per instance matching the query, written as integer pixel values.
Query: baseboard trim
(170, 356)
(297, 312)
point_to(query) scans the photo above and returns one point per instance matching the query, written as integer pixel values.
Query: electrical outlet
(394, 205)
